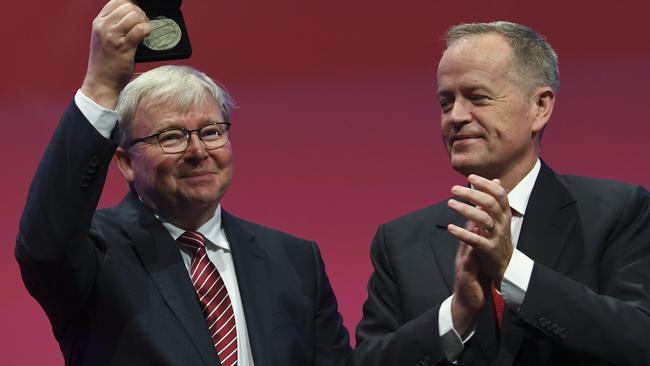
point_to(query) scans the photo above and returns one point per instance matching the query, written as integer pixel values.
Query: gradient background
(337, 129)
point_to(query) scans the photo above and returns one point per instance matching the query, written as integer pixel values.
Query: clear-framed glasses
(176, 140)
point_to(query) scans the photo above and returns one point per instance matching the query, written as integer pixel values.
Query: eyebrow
(480, 87)
(466, 90)
(174, 125)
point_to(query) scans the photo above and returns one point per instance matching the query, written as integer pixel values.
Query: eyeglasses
(176, 140)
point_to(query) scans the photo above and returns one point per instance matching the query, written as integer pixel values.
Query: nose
(195, 147)
(459, 114)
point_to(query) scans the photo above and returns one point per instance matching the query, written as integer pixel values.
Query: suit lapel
(253, 278)
(445, 246)
(550, 216)
(161, 258)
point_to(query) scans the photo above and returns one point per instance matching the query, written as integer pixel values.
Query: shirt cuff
(452, 342)
(104, 120)
(515, 280)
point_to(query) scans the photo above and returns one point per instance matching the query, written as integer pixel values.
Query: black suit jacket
(588, 300)
(115, 288)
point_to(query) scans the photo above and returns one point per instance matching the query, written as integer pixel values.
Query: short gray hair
(535, 59)
(176, 86)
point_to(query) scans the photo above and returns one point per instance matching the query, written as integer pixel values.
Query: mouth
(195, 175)
(463, 139)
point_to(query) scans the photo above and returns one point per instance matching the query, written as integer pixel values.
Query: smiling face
(490, 119)
(184, 188)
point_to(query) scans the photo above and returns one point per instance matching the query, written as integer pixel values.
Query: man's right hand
(116, 33)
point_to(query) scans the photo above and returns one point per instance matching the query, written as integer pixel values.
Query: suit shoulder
(603, 189)
(274, 235)
(279, 246)
(107, 223)
(108, 213)
(423, 216)
(107, 217)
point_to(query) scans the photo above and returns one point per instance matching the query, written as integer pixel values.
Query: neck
(184, 216)
(509, 173)
(189, 219)
(514, 174)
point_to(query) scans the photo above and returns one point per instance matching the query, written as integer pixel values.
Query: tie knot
(193, 240)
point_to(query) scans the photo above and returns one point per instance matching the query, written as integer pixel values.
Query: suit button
(94, 162)
(424, 361)
(543, 322)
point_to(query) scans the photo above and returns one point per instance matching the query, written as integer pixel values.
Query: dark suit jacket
(116, 291)
(588, 300)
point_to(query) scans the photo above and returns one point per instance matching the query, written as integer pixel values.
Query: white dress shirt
(219, 252)
(217, 246)
(516, 277)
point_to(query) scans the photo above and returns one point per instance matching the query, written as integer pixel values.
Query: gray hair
(535, 59)
(176, 86)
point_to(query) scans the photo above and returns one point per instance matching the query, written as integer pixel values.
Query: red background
(337, 127)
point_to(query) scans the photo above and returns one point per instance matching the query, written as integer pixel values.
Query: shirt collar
(211, 230)
(519, 196)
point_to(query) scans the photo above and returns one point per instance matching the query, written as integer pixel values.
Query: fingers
(472, 213)
(491, 187)
(486, 194)
(112, 5)
(485, 204)
(469, 294)
(137, 27)
(492, 253)
(468, 237)
(465, 260)
(124, 27)
(126, 16)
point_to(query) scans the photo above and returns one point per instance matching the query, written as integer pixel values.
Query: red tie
(214, 299)
(497, 300)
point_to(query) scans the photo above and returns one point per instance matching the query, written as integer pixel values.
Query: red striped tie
(214, 299)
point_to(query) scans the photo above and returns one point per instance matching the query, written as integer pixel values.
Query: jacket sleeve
(332, 343)
(383, 336)
(609, 322)
(57, 258)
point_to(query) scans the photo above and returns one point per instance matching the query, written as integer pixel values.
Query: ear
(124, 165)
(543, 103)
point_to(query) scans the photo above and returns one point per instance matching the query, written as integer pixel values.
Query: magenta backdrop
(337, 127)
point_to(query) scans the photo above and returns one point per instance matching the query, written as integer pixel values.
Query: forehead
(479, 58)
(169, 114)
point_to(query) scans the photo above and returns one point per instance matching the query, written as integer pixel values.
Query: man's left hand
(486, 207)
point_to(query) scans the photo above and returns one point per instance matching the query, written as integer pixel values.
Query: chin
(467, 166)
(199, 197)
(462, 163)
(205, 196)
